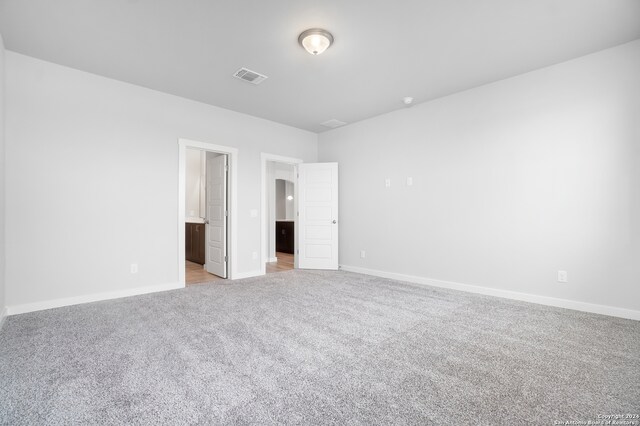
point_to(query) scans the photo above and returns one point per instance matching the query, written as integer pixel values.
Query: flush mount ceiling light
(315, 40)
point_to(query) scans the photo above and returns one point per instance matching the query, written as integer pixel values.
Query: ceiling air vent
(333, 123)
(250, 76)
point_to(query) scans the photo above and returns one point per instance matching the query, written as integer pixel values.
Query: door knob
(206, 221)
(334, 222)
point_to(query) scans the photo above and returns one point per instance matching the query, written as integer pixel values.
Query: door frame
(264, 158)
(232, 194)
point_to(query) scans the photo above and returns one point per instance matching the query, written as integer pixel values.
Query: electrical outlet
(387, 183)
(362, 254)
(562, 276)
(409, 181)
(134, 268)
(254, 255)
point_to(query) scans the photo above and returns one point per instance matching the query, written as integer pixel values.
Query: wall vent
(333, 123)
(250, 76)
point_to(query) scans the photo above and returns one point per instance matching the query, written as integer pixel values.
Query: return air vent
(333, 123)
(250, 76)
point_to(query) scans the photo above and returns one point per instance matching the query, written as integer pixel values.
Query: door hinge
(226, 213)
(225, 258)
(298, 213)
(298, 251)
(226, 168)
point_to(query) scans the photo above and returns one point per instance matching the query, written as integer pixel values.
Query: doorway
(205, 216)
(315, 205)
(207, 212)
(279, 212)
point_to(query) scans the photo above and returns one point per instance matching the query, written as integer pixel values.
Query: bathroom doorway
(207, 212)
(205, 216)
(279, 213)
(282, 245)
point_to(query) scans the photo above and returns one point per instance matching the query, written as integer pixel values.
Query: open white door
(318, 215)
(216, 221)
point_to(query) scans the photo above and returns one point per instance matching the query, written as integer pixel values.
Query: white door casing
(318, 215)
(216, 218)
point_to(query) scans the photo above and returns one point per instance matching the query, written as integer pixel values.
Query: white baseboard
(251, 274)
(272, 259)
(3, 315)
(57, 303)
(506, 294)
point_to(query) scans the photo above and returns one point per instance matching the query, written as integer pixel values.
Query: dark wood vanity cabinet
(194, 242)
(284, 236)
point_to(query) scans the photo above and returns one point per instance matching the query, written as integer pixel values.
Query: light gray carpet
(316, 347)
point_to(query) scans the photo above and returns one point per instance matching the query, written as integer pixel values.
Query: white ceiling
(384, 50)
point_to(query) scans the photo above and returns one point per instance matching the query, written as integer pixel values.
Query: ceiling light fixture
(315, 40)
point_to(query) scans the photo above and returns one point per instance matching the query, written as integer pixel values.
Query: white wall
(194, 183)
(2, 190)
(281, 198)
(289, 203)
(70, 133)
(286, 172)
(512, 182)
(284, 206)
(271, 210)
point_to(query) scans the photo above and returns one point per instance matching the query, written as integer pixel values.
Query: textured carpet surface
(316, 347)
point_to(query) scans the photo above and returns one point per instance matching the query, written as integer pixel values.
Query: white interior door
(318, 215)
(216, 220)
